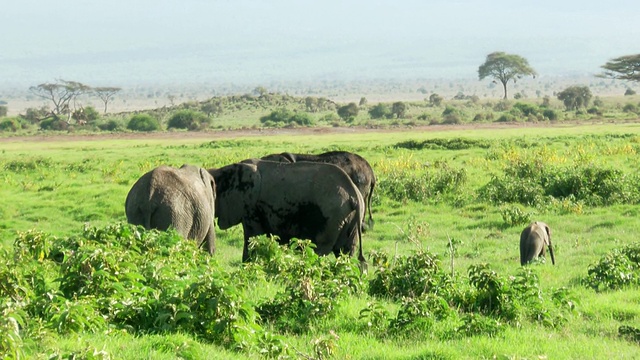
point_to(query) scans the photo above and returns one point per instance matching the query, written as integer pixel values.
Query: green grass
(58, 187)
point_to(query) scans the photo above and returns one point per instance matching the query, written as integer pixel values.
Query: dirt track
(230, 134)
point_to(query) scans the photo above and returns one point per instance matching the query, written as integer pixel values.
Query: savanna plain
(444, 279)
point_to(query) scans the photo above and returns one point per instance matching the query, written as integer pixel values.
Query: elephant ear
(210, 185)
(238, 186)
(548, 230)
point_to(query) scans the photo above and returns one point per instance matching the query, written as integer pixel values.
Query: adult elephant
(354, 165)
(181, 198)
(304, 200)
(533, 240)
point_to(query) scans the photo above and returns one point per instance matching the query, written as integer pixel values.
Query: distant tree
(504, 67)
(3, 111)
(380, 111)
(348, 112)
(398, 109)
(575, 97)
(629, 92)
(363, 101)
(106, 94)
(435, 99)
(61, 94)
(212, 107)
(623, 68)
(311, 103)
(260, 91)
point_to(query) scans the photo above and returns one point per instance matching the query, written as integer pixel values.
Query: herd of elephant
(323, 198)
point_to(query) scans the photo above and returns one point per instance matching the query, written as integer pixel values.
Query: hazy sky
(124, 42)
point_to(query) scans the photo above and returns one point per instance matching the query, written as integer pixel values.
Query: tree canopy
(504, 67)
(623, 68)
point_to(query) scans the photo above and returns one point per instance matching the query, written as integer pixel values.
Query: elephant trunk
(553, 259)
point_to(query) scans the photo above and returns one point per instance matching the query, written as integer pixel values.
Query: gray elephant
(533, 240)
(354, 165)
(182, 198)
(304, 200)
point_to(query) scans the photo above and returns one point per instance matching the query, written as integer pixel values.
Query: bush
(34, 115)
(380, 111)
(10, 124)
(143, 122)
(54, 124)
(3, 110)
(630, 108)
(550, 114)
(629, 92)
(348, 112)
(110, 125)
(285, 116)
(616, 269)
(189, 120)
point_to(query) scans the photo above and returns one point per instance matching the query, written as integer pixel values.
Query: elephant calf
(532, 241)
(304, 200)
(181, 198)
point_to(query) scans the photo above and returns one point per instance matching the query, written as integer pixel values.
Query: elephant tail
(370, 222)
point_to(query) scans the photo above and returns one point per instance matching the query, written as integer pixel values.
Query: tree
(504, 67)
(623, 68)
(575, 97)
(398, 109)
(61, 94)
(105, 94)
(435, 99)
(348, 112)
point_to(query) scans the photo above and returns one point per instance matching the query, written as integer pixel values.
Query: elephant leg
(210, 240)
(532, 251)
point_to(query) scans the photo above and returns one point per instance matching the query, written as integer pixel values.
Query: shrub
(110, 125)
(143, 122)
(54, 124)
(617, 269)
(348, 112)
(410, 276)
(10, 124)
(527, 109)
(629, 92)
(380, 111)
(550, 114)
(630, 108)
(188, 119)
(3, 110)
(285, 116)
(34, 115)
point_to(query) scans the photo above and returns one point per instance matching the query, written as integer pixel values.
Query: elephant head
(238, 186)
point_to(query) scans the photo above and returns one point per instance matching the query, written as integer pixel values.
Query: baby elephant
(532, 241)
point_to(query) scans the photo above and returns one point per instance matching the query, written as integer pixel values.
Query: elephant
(304, 200)
(181, 198)
(354, 165)
(532, 241)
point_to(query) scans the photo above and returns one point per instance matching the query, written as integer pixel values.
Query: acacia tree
(504, 67)
(623, 68)
(105, 94)
(61, 94)
(575, 97)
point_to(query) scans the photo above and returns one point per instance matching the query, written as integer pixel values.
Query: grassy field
(462, 196)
